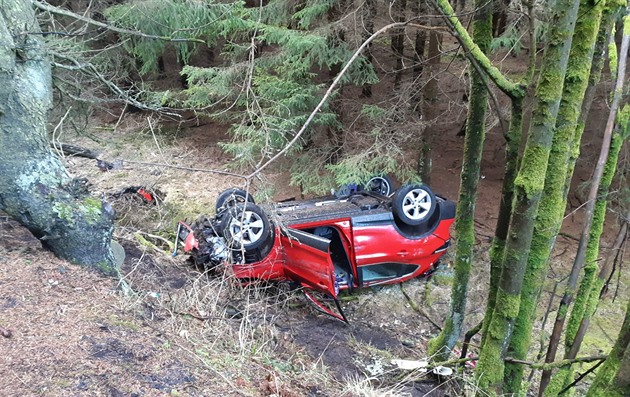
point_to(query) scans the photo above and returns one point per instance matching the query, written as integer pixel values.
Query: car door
(307, 261)
(383, 254)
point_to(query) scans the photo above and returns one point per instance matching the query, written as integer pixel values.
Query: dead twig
(77, 151)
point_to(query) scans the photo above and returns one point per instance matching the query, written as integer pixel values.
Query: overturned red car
(361, 238)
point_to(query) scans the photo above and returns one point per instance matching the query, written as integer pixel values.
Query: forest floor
(166, 328)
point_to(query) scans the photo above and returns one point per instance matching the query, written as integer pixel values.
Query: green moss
(92, 209)
(510, 88)
(612, 56)
(490, 367)
(63, 211)
(531, 177)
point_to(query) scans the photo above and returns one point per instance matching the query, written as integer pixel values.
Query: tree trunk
(613, 378)
(513, 139)
(398, 41)
(369, 12)
(34, 186)
(336, 38)
(464, 223)
(418, 9)
(430, 101)
(590, 229)
(528, 188)
(552, 205)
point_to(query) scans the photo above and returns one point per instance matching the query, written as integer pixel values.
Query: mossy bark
(552, 203)
(442, 345)
(512, 162)
(588, 293)
(613, 378)
(588, 226)
(34, 186)
(510, 88)
(528, 187)
(601, 45)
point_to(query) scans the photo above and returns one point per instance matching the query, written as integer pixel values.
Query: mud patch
(336, 344)
(115, 349)
(145, 274)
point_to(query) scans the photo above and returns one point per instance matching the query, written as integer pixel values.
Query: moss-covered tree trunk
(528, 187)
(34, 186)
(613, 378)
(552, 203)
(464, 221)
(588, 249)
(512, 161)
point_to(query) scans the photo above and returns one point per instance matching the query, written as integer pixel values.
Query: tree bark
(35, 189)
(588, 248)
(465, 218)
(514, 139)
(528, 187)
(369, 13)
(613, 378)
(583, 246)
(552, 204)
(398, 41)
(418, 9)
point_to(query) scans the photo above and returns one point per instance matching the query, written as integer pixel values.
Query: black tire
(230, 197)
(381, 184)
(414, 204)
(246, 227)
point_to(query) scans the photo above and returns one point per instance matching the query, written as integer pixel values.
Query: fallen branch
(418, 309)
(77, 151)
(556, 364)
(186, 168)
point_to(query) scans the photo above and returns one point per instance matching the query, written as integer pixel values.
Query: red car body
(333, 244)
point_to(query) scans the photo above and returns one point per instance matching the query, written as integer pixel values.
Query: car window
(385, 271)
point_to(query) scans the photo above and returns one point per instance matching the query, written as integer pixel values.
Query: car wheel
(414, 204)
(380, 184)
(246, 227)
(230, 197)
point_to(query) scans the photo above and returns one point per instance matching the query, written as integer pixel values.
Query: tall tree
(368, 14)
(552, 203)
(528, 187)
(398, 9)
(471, 164)
(613, 379)
(588, 247)
(35, 188)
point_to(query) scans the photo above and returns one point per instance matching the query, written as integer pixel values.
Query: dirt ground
(168, 329)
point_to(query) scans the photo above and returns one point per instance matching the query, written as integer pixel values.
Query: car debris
(325, 245)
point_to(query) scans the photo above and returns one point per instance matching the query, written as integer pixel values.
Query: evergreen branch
(56, 10)
(91, 69)
(327, 95)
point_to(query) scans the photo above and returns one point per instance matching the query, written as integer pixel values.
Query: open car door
(307, 261)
